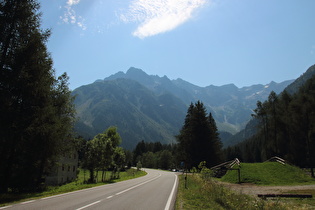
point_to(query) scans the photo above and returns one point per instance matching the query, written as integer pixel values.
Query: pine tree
(216, 153)
(198, 139)
(36, 110)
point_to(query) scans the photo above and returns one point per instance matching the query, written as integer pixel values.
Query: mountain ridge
(152, 108)
(217, 99)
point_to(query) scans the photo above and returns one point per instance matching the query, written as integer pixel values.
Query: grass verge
(301, 203)
(72, 186)
(201, 194)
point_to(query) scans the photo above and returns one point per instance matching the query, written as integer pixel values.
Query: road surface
(156, 190)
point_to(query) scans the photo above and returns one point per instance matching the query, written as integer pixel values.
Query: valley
(152, 108)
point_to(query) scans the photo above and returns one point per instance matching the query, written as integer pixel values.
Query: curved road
(156, 190)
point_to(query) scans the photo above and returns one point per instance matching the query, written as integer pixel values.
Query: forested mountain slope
(251, 128)
(285, 128)
(152, 108)
(138, 113)
(231, 106)
(294, 87)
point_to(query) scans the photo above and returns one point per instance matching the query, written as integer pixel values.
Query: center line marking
(137, 185)
(91, 204)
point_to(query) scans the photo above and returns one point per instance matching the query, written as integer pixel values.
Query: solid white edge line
(5, 207)
(91, 204)
(168, 204)
(26, 202)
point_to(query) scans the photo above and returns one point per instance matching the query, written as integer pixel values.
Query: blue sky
(205, 42)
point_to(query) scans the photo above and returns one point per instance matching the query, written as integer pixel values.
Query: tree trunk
(103, 175)
(91, 180)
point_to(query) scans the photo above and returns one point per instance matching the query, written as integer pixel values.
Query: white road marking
(137, 185)
(73, 192)
(91, 204)
(54, 196)
(5, 207)
(168, 204)
(26, 202)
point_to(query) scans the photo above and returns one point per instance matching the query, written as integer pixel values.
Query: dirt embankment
(251, 189)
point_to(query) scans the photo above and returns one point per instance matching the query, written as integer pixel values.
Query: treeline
(102, 154)
(286, 128)
(198, 141)
(155, 155)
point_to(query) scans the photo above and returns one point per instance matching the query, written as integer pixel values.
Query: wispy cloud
(70, 15)
(158, 16)
(73, 2)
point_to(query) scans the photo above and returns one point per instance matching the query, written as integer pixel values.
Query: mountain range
(152, 108)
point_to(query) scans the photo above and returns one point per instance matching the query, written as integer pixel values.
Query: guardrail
(264, 196)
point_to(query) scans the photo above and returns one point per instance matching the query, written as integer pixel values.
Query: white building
(65, 171)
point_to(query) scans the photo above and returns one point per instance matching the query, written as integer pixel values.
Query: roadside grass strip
(55, 191)
(201, 194)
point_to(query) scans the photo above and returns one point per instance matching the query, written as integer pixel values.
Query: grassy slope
(269, 173)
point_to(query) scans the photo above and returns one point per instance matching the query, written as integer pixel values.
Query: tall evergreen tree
(273, 114)
(36, 111)
(198, 139)
(216, 153)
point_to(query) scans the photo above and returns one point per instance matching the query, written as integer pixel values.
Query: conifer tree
(36, 110)
(216, 153)
(287, 125)
(198, 139)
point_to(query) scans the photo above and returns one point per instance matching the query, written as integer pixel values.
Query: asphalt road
(156, 190)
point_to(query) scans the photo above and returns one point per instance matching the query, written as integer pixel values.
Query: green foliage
(269, 173)
(155, 155)
(102, 152)
(36, 109)
(119, 161)
(202, 165)
(165, 159)
(205, 172)
(285, 129)
(203, 194)
(139, 166)
(198, 139)
(149, 160)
